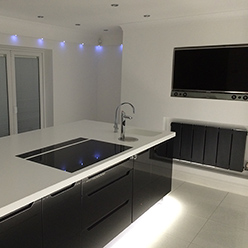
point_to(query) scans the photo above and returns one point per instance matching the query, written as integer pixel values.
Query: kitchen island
(23, 182)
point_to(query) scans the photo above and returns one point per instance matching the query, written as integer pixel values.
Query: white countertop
(23, 181)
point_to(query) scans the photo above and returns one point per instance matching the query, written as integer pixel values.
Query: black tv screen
(212, 71)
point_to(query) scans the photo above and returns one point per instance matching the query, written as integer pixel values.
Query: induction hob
(74, 154)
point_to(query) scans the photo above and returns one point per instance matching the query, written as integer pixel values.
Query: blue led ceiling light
(40, 41)
(81, 45)
(62, 43)
(98, 48)
(14, 38)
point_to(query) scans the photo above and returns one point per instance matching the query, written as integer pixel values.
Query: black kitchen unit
(60, 218)
(115, 198)
(151, 177)
(106, 204)
(22, 228)
(91, 212)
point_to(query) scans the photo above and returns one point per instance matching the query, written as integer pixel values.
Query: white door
(21, 92)
(4, 105)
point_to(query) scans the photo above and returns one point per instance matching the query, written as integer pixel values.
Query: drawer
(106, 177)
(22, 228)
(105, 197)
(105, 229)
(61, 217)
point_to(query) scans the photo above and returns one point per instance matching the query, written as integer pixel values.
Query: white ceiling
(98, 15)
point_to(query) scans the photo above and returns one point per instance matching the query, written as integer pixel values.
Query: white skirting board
(212, 177)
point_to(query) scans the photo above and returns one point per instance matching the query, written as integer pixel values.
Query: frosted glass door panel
(4, 112)
(27, 93)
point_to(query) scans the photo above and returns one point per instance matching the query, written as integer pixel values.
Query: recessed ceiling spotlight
(40, 16)
(114, 5)
(105, 30)
(147, 16)
(78, 24)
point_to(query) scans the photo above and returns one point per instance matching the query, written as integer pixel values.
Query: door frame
(11, 54)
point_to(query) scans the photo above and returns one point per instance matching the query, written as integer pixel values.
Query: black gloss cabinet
(61, 221)
(106, 204)
(22, 228)
(152, 177)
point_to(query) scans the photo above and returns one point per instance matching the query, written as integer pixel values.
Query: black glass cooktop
(75, 154)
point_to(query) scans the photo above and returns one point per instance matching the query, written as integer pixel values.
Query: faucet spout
(116, 114)
(123, 124)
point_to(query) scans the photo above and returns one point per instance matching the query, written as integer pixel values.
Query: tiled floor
(191, 216)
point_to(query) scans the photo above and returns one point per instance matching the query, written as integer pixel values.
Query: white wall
(147, 69)
(146, 82)
(75, 84)
(109, 82)
(73, 70)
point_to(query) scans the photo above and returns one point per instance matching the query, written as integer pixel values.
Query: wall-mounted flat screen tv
(215, 72)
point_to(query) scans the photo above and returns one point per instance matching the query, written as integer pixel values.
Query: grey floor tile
(198, 200)
(234, 199)
(216, 235)
(196, 246)
(186, 227)
(175, 184)
(231, 215)
(167, 241)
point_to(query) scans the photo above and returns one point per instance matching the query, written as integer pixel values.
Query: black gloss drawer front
(105, 229)
(106, 192)
(104, 178)
(22, 228)
(61, 221)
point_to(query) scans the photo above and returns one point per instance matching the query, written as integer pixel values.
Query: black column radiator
(215, 146)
